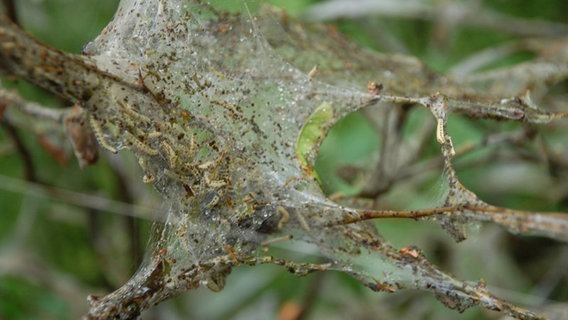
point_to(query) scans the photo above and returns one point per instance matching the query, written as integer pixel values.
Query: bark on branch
(71, 76)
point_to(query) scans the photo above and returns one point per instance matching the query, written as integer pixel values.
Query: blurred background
(67, 232)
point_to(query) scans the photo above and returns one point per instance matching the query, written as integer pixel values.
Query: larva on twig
(129, 111)
(98, 131)
(440, 134)
(154, 135)
(441, 137)
(141, 146)
(303, 223)
(213, 183)
(284, 217)
(170, 154)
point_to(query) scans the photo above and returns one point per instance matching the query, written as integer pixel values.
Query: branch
(75, 198)
(73, 77)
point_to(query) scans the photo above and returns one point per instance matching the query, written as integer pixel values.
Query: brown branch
(550, 224)
(36, 110)
(73, 77)
(453, 293)
(10, 8)
(67, 75)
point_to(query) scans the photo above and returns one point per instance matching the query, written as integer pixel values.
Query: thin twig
(36, 110)
(25, 155)
(550, 224)
(75, 198)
